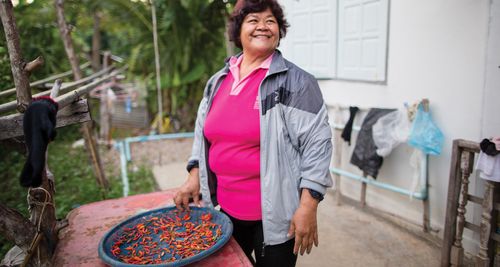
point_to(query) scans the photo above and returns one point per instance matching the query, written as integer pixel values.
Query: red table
(78, 243)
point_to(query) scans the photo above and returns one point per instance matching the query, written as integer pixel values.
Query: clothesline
(422, 194)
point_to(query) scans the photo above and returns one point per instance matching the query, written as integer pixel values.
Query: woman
(262, 142)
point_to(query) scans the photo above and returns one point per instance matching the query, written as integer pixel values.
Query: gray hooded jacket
(295, 143)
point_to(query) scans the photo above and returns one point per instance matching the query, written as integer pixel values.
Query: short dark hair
(245, 7)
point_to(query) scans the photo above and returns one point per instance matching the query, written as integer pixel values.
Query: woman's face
(259, 33)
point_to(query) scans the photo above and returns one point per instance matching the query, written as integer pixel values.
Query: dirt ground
(349, 235)
(150, 153)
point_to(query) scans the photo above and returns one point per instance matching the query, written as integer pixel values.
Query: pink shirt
(232, 128)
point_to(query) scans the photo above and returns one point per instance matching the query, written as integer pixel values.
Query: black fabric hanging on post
(346, 133)
(39, 125)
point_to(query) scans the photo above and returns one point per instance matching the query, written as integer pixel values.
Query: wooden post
(96, 42)
(43, 218)
(337, 153)
(66, 37)
(105, 116)
(73, 59)
(457, 250)
(425, 202)
(43, 214)
(427, 211)
(230, 47)
(487, 247)
(17, 63)
(363, 193)
(16, 228)
(157, 64)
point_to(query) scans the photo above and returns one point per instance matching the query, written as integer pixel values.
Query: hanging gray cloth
(365, 154)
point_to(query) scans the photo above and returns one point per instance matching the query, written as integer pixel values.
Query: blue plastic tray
(110, 237)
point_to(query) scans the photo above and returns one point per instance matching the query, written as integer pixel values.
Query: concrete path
(348, 235)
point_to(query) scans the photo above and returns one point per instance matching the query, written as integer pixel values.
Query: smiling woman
(262, 142)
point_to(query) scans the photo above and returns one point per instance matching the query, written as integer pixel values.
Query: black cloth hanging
(488, 147)
(346, 133)
(39, 123)
(365, 154)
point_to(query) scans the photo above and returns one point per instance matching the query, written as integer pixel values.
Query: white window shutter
(362, 39)
(311, 41)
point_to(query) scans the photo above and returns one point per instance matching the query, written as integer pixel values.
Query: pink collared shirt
(234, 68)
(232, 128)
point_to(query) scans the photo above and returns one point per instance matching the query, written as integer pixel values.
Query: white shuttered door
(362, 39)
(310, 42)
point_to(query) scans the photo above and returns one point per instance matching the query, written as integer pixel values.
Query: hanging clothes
(365, 155)
(39, 127)
(488, 147)
(391, 130)
(488, 167)
(346, 133)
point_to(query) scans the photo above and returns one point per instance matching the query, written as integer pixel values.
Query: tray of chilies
(166, 237)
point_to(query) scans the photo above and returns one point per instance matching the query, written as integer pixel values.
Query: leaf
(195, 74)
(176, 81)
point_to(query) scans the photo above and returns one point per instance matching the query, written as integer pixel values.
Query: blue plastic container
(217, 217)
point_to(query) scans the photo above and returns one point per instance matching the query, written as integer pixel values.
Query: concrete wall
(437, 49)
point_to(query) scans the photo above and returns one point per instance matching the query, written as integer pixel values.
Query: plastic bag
(390, 131)
(424, 134)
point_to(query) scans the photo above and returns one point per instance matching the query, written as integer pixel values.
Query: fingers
(196, 199)
(310, 244)
(304, 241)
(185, 202)
(316, 240)
(178, 202)
(304, 245)
(298, 243)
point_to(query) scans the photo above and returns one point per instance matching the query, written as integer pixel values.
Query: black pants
(250, 237)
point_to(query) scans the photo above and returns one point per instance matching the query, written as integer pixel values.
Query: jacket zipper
(261, 181)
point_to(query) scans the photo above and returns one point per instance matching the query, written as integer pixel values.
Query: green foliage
(191, 43)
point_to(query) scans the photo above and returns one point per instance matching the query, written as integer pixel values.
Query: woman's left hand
(304, 225)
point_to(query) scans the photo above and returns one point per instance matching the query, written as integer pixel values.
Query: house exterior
(382, 53)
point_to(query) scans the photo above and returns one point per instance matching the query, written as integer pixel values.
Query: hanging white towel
(488, 167)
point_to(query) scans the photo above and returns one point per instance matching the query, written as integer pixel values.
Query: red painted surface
(79, 241)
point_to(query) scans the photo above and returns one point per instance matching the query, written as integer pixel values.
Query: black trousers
(250, 237)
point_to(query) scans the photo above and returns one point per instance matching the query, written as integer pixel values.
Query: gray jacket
(295, 143)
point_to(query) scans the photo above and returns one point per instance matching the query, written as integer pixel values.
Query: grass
(74, 179)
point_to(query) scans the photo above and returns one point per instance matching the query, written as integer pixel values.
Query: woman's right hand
(190, 188)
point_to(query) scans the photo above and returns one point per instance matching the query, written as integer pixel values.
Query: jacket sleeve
(198, 129)
(308, 125)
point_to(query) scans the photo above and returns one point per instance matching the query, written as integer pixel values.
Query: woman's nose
(262, 26)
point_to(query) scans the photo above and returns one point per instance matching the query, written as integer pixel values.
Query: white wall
(437, 50)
